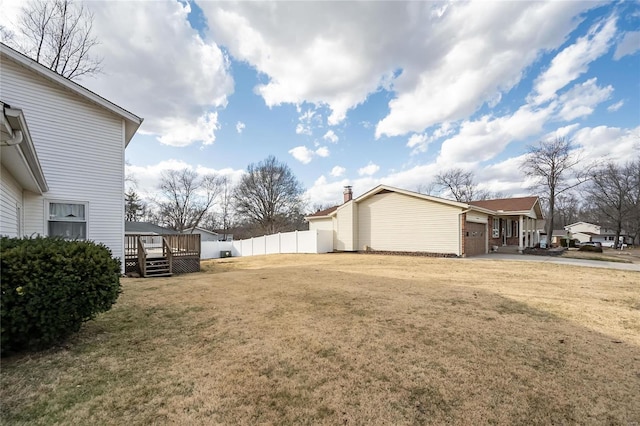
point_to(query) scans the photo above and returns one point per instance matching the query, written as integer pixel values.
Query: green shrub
(50, 286)
(593, 249)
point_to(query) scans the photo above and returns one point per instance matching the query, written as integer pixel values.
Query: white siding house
(393, 219)
(62, 156)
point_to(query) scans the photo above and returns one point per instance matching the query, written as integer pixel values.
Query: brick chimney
(348, 194)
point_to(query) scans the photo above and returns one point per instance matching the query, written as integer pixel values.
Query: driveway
(561, 260)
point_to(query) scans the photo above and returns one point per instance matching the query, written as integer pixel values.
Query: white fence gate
(316, 241)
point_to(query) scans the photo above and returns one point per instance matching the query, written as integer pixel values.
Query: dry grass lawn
(347, 339)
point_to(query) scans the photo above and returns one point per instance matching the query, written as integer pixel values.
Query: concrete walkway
(560, 260)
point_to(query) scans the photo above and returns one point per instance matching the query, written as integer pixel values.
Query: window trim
(47, 214)
(509, 228)
(495, 228)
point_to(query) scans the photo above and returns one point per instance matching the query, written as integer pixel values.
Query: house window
(495, 231)
(68, 220)
(509, 228)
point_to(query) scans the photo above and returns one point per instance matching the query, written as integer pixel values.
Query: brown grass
(608, 255)
(347, 339)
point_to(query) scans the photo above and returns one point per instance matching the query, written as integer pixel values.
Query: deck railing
(142, 257)
(185, 247)
(167, 252)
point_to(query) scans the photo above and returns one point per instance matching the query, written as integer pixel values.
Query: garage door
(475, 239)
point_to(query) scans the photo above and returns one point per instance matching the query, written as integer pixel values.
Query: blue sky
(369, 92)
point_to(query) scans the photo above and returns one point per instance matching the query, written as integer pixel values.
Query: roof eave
(132, 121)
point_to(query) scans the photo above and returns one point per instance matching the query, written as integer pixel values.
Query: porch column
(529, 232)
(520, 235)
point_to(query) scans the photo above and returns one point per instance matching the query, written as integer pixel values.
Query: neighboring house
(585, 231)
(559, 235)
(62, 156)
(392, 219)
(205, 235)
(146, 228)
(582, 231)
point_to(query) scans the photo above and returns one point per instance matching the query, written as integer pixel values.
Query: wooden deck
(162, 255)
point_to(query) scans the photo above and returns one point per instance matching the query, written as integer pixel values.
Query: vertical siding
(398, 222)
(10, 198)
(81, 150)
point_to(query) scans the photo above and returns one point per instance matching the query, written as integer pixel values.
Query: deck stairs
(157, 267)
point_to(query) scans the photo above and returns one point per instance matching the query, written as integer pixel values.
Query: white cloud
(323, 151)
(629, 45)
(368, 170)
(483, 139)
(306, 122)
(331, 136)
(582, 98)
(302, 154)
(181, 132)
(607, 143)
(147, 178)
(480, 61)
(305, 155)
(156, 66)
(574, 60)
(240, 126)
(338, 171)
(616, 106)
(442, 63)
(561, 132)
(419, 143)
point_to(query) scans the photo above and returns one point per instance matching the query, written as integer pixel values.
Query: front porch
(513, 233)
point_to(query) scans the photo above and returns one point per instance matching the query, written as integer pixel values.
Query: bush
(593, 249)
(50, 286)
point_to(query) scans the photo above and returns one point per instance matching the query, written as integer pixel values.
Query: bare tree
(460, 184)
(58, 34)
(268, 195)
(552, 165)
(632, 222)
(567, 209)
(186, 198)
(613, 192)
(226, 205)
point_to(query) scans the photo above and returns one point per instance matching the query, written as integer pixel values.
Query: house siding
(398, 222)
(10, 200)
(81, 150)
(347, 226)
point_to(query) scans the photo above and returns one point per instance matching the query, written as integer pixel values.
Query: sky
(370, 92)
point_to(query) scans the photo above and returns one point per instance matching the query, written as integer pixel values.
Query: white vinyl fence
(290, 242)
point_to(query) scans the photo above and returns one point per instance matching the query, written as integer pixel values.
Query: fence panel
(325, 241)
(307, 242)
(288, 243)
(259, 246)
(272, 244)
(212, 249)
(247, 247)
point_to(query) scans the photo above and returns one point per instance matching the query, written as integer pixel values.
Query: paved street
(561, 260)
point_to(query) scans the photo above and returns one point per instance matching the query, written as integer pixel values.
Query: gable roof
(323, 213)
(189, 230)
(146, 228)
(132, 121)
(385, 188)
(518, 204)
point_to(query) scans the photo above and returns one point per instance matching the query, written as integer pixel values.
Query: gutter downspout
(16, 139)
